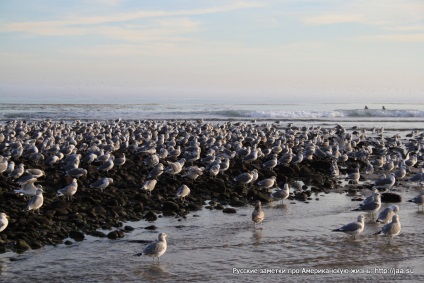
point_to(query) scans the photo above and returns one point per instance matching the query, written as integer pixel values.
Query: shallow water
(211, 246)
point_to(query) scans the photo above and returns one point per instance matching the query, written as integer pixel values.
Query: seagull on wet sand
(391, 229)
(258, 214)
(386, 215)
(282, 194)
(419, 200)
(372, 206)
(353, 228)
(155, 249)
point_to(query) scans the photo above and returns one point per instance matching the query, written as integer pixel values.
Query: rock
(151, 227)
(77, 236)
(390, 197)
(229, 210)
(98, 234)
(150, 216)
(128, 228)
(237, 203)
(170, 206)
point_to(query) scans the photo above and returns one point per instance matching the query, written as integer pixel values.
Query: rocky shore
(91, 211)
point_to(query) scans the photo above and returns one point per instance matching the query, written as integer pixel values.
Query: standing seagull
(107, 165)
(387, 214)
(353, 228)
(419, 200)
(36, 201)
(282, 194)
(102, 183)
(355, 176)
(69, 190)
(244, 178)
(386, 183)
(372, 206)
(182, 192)
(3, 221)
(391, 229)
(258, 214)
(149, 185)
(155, 249)
(267, 183)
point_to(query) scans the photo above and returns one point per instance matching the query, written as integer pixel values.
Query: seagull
(386, 215)
(386, 183)
(156, 171)
(355, 176)
(3, 165)
(244, 178)
(214, 170)
(353, 228)
(182, 192)
(156, 248)
(419, 200)
(419, 177)
(372, 206)
(270, 164)
(76, 172)
(391, 229)
(119, 161)
(3, 221)
(107, 165)
(149, 185)
(258, 214)
(267, 183)
(102, 183)
(69, 190)
(28, 189)
(175, 168)
(282, 194)
(193, 172)
(15, 174)
(36, 201)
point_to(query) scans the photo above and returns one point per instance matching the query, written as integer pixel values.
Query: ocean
(396, 116)
(296, 243)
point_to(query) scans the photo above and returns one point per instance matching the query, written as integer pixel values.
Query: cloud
(396, 37)
(329, 19)
(76, 25)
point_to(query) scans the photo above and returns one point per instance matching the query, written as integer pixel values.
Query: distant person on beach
(366, 107)
(384, 108)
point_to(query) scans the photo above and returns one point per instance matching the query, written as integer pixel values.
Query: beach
(212, 229)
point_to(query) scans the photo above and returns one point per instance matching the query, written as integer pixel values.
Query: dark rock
(170, 206)
(77, 235)
(237, 203)
(150, 216)
(390, 197)
(229, 210)
(98, 234)
(151, 227)
(128, 228)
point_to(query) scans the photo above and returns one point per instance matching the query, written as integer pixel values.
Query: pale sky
(196, 47)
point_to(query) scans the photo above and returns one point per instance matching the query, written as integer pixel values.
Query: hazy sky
(367, 48)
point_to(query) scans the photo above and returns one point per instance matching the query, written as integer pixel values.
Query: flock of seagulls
(191, 150)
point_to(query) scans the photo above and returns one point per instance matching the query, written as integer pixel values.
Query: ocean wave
(354, 113)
